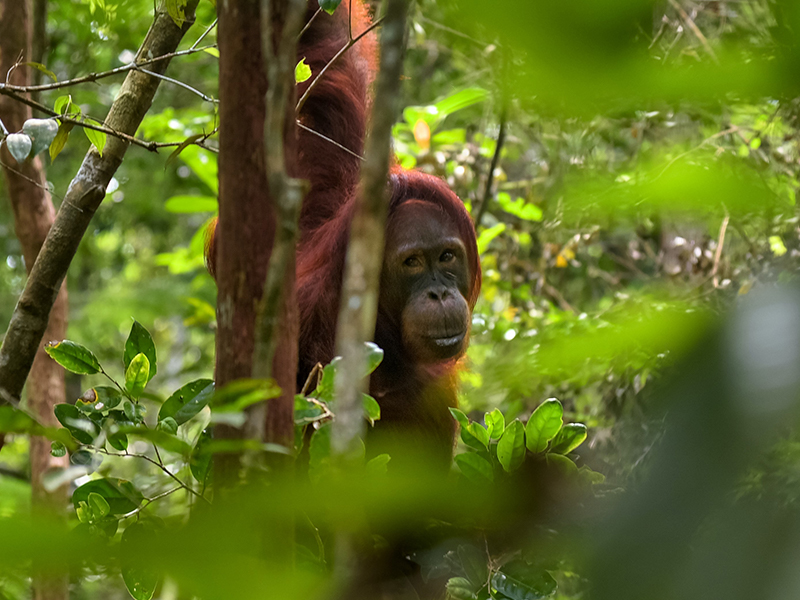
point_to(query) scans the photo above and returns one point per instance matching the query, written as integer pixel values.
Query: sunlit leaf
(140, 342)
(570, 437)
(474, 467)
(137, 375)
(543, 425)
(511, 447)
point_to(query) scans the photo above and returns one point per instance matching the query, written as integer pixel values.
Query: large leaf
(99, 399)
(474, 467)
(137, 374)
(519, 581)
(137, 572)
(511, 447)
(570, 437)
(544, 424)
(188, 401)
(79, 425)
(73, 357)
(140, 342)
(495, 423)
(191, 204)
(122, 497)
(200, 461)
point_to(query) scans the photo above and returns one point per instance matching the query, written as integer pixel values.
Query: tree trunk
(33, 216)
(246, 232)
(85, 193)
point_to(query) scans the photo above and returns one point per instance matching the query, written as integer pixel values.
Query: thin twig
(487, 192)
(307, 25)
(718, 254)
(92, 77)
(160, 466)
(695, 29)
(149, 501)
(451, 30)
(327, 139)
(33, 182)
(315, 373)
(336, 57)
(151, 146)
(3, 128)
(205, 33)
(185, 86)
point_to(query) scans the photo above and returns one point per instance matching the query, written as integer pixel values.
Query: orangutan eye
(446, 256)
(411, 261)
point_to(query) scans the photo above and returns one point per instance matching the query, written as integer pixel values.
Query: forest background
(632, 169)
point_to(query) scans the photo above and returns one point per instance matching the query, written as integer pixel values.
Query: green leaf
(302, 72)
(479, 433)
(474, 467)
(459, 588)
(329, 6)
(562, 464)
(42, 132)
(511, 447)
(378, 465)
(139, 577)
(41, 68)
(460, 100)
(519, 208)
(519, 581)
(459, 416)
(191, 204)
(305, 411)
(162, 439)
(122, 497)
(140, 342)
(487, 236)
(241, 393)
(19, 145)
(200, 460)
(469, 437)
(374, 357)
(60, 140)
(474, 562)
(133, 412)
(79, 425)
(98, 505)
(58, 449)
(371, 408)
(570, 437)
(188, 401)
(168, 425)
(136, 375)
(319, 452)
(495, 423)
(62, 104)
(177, 10)
(99, 399)
(73, 357)
(544, 424)
(98, 139)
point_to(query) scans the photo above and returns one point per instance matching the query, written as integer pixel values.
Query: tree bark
(85, 193)
(359, 305)
(33, 215)
(246, 232)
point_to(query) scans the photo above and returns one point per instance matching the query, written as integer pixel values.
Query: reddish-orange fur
(411, 395)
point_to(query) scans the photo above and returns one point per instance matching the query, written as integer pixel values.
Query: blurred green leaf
(188, 401)
(474, 467)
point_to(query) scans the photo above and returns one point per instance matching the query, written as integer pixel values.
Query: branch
(131, 139)
(352, 42)
(359, 302)
(92, 77)
(85, 193)
(695, 29)
(487, 192)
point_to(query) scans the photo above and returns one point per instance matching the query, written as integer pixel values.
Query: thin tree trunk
(85, 193)
(33, 215)
(359, 305)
